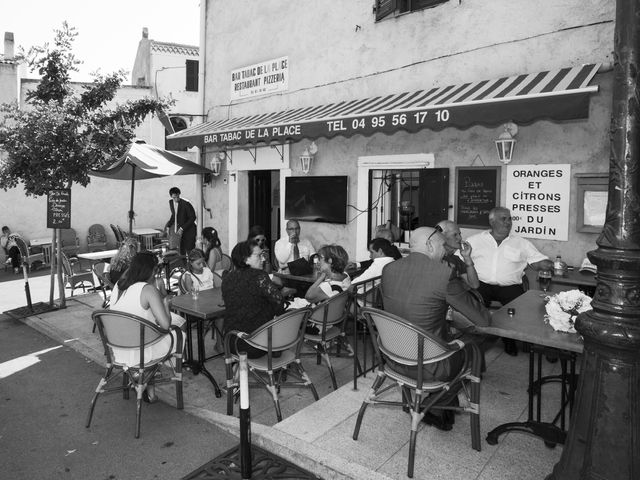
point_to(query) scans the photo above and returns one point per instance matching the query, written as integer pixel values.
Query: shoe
(510, 347)
(16, 270)
(443, 423)
(149, 398)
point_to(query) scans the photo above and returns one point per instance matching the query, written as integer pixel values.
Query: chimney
(145, 32)
(8, 46)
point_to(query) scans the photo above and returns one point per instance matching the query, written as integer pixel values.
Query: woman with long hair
(332, 278)
(212, 247)
(251, 299)
(121, 261)
(136, 293)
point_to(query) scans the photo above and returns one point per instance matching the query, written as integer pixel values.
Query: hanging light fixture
(306, 159)
(216, 163)
(506, 143)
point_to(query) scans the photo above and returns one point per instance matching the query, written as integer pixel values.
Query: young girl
(332, 278)
(212, 247)
(199, 273)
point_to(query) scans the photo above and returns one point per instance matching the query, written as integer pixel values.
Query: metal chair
(329, 317)
(70, 242)
(116, 233)
(29, 259)
(402, 342)
(283, 334)
(97, 238)
(75, 279)
(225, 264)
(135, 349)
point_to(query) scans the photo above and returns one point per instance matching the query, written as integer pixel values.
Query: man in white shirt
(290, 248)
(500, 260)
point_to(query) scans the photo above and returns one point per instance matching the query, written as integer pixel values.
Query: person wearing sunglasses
(258, 234)
(292, 247)
(416, 288)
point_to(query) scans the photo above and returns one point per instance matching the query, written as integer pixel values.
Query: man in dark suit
(182, 221)
(417, 288)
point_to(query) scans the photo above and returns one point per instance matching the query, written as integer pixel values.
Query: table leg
(548, 431)
(201, 357)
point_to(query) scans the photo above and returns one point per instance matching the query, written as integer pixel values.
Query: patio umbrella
(144, 161)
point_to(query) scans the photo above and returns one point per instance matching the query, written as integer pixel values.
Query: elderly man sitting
(417, 288)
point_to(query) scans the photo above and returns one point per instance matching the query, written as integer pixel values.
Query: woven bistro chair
(135, 349)
(396, 339)
(283, 334)
(329, 319)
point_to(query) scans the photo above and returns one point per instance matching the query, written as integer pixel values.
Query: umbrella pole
(131, 213)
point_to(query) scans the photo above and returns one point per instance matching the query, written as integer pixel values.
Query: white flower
(564, 307)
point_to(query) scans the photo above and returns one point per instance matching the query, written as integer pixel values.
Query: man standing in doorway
(182, 221)
(500, 260)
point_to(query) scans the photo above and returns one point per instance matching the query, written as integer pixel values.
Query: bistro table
(585, 281)
(98, 256)
(527, 324)
(208, 306)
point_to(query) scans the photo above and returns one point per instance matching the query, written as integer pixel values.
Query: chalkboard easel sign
(59, 208)
(477, 192)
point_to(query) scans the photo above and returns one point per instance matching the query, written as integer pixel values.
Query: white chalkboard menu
(477, 192)
(59, 208)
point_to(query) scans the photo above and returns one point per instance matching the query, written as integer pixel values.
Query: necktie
(296, 251)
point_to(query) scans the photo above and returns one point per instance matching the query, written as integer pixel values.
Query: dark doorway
(260, 200)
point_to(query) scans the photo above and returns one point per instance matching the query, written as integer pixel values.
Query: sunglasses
(436, 229)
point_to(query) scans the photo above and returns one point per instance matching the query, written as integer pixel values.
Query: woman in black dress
(251, 299)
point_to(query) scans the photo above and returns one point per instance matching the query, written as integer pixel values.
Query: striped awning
(556, 95)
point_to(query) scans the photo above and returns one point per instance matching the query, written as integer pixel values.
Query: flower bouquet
(563, 309)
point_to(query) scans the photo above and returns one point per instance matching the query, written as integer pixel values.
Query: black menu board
(477, 192)
(59, 208)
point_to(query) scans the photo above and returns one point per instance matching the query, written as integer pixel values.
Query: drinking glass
(195, 290)
(544, 280)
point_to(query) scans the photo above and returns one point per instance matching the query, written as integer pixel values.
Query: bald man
(292, 247)
(462, 267)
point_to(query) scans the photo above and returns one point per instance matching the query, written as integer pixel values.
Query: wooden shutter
(192, 75)
(385, 8)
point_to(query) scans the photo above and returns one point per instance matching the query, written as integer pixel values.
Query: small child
(199, 273)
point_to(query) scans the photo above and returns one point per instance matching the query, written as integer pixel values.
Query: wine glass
(544, 280)
(195, 290)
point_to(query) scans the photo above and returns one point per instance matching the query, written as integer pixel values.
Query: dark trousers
(188, 241)
(498, 293)
(14, 255)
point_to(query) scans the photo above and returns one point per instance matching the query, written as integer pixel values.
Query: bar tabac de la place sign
(261, 78)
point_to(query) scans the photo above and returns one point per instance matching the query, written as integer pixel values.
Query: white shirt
(502, 264)
(374, 270)
(284, 250)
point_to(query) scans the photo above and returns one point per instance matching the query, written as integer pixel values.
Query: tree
(62, 134)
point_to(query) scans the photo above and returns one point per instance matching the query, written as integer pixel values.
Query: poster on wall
(538, 197)
(261, 78)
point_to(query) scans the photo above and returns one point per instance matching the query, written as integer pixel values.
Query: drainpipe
(201, 76)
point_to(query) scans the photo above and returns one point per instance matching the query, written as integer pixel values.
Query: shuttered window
(192, 76)
(384, 8)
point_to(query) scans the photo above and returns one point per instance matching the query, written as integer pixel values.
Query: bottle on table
(558, 266)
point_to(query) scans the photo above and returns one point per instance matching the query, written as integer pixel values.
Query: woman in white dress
(137, 293)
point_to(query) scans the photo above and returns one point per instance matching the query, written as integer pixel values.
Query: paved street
(45, 390)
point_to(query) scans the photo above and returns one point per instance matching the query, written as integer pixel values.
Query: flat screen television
(316, 199)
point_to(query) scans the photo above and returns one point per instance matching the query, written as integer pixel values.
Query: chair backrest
(225, 263)
(124, 330)
(175, 279)
(368, 292)
(22, 246)
(67, 269)
(182, 283)
(402, 341)
(331, 311)
(116, 232)
(282, 333)
(123, 233)
(68, 237)
(96, 234)
(217, 280)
